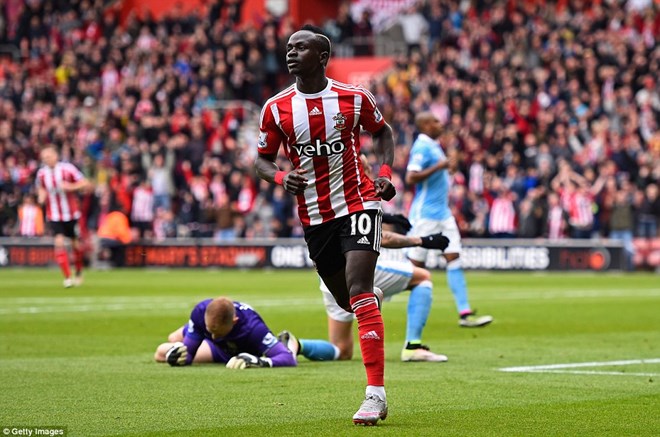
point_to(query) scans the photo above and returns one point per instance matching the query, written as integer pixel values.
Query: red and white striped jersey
(61, 206)
(580, 212)
(142, 208)
(557, 223)
(321, 134)
(502, 217)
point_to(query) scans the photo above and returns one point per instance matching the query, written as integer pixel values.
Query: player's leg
(204, 353)
(209, 353)
(161, 350)
(78, 260)
(340, 346)
(61, 254)
(419, 307)
(360, 265)
(340, 334)
(176, 335)
(456, 277)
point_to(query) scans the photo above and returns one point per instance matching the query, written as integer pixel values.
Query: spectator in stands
(30, 218)
(114, 235)
(142, 210)
(621, 224)
(648, 212)
(508, 83)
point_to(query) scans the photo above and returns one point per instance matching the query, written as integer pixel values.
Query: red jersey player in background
(57, 183)
(318, 120)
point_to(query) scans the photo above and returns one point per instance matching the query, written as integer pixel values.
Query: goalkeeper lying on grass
(222, 331)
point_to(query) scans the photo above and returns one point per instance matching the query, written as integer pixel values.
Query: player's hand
(177, 354)
(384, 188)
(245, 361)
(435, 241)
(294, 182)
(398, 220)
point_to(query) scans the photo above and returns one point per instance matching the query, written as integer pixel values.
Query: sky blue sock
(419, 306)
(318, 350)
(458, 287)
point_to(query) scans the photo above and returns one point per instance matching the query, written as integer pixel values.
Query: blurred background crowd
(551, 107)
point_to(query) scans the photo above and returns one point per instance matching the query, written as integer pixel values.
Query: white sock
(377, 390)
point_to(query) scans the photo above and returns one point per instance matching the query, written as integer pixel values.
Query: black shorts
(68, 229)
(328, 242)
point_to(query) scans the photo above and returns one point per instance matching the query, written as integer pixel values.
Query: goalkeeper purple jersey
(250, 334)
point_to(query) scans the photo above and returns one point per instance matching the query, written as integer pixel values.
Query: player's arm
(415, 177)
(75, 186)
(183, 353)
(270, 139)
(372, 121)
(392, 240)
(294, 182)
(271, 353)
(384, 148)
(42, 195)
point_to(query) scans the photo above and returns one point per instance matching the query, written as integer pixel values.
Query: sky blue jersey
(431, 195)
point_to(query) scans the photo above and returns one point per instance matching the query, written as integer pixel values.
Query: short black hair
(322, 39)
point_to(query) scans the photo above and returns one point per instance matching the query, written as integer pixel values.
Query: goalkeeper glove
(245, 361)
(400, 222)
(435, 241)
(177, 354)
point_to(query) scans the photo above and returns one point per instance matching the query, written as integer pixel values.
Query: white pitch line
(137, 305)
(562, 368)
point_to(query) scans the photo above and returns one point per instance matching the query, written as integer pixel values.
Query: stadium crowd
(551, 107)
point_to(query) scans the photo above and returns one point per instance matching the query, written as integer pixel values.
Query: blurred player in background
(57, 183)
(429, 212)
(318, 120)
(228, 332)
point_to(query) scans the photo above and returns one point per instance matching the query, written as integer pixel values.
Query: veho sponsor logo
(319, 148)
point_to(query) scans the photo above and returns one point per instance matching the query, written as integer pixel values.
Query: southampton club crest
(340, 121)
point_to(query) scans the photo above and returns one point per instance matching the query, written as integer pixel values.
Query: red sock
(372, 336)
(78, 260)
(62, 258)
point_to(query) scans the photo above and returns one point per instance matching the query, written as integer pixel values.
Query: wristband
(279, 177)
(385, 172)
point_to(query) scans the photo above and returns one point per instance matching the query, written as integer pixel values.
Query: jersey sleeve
(418, 160)
(194, 334)
(280, 356)
(261, 339)
(39, 179)
(73, 174)
(370, 117)
(270, 135)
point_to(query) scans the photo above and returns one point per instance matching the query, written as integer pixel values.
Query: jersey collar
(319, 94)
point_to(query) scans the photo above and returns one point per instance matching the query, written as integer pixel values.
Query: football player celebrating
(228, 332)
(318, 120)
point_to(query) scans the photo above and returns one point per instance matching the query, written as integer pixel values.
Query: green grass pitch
(82, 358)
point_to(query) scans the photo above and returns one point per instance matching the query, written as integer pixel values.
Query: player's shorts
(328, 242)
(68, 229)
(392, 277)
(424, 227)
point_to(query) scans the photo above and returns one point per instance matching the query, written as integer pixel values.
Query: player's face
(435, 128)
(49, 157)
(302, 55)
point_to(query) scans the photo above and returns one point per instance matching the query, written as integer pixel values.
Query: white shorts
(392, 277)
(424, 227)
